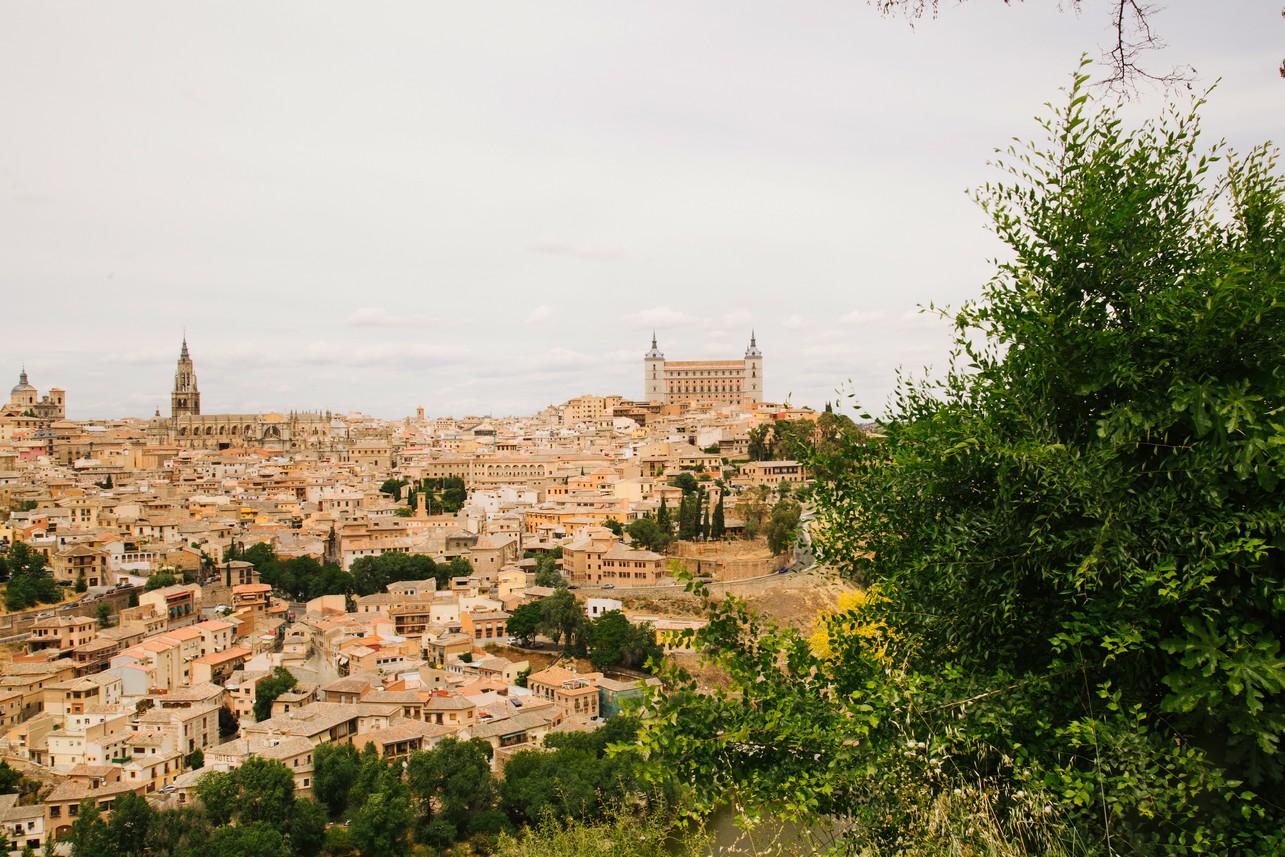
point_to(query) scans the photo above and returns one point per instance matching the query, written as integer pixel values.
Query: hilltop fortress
(703, 382)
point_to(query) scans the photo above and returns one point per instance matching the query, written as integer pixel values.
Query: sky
(487, 208)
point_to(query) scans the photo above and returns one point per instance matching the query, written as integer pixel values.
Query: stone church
(188, 428)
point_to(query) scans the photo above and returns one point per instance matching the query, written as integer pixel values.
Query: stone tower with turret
(185, 400)
(753, 384)
(654, 373)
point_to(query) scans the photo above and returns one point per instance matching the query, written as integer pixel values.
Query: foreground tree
(1073, 540)
(267, 691)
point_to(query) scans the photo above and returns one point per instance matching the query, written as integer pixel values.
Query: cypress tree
(718, 525)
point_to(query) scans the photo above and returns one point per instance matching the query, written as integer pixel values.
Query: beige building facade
(703, 383)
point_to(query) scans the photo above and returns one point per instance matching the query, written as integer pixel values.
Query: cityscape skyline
(419, 206)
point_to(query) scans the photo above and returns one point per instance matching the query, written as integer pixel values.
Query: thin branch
(1132, 39)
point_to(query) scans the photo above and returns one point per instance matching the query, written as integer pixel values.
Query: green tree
(335, 768)
(258, 839)
(82, 585)
(372, 771)
(1073, 539)
(381, 828)
(268, 689)
(615, 526)
(267, 792)
(613, 641)
(229, 723)
(29, 580)
(718, 524)
(393, 487)
(686, 482)
(89, 835)
(9, 779)
(461, 567)
(260, 790)
(783, 525)
(180, 832)
(451, 785)
(562, 619)
(524, 622)
(219, 792)
(307, 827)
(262, 555)
(370, 574)
(662, 518)
(687, 513)
(159, 581)
(648, 534)
(547, 573)
(196, 759)
(130, 824)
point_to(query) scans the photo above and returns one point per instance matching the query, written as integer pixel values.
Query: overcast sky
(487, 207)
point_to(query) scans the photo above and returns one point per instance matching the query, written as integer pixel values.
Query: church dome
(22, 386)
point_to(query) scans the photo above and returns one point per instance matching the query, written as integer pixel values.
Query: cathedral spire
(185, 398)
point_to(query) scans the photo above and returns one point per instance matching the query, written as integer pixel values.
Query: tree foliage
(30, 582)
(613, 641)
(268, 689)
(1073, 540)
(563, 620)
(159, 581)
(647, 534)
(783, 525)
(372, 574)
(335, 768)
(452, 787)
(524, 622)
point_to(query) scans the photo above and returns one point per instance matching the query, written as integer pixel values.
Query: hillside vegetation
(1072, 542)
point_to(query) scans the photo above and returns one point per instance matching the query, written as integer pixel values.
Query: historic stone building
(188, 428)
(703, 382)
(25, 400)
(185, 400)
(31, 415)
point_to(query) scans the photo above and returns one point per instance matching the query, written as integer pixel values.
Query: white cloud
(857, 317)
(660, 317)
(738, 319)
(794, 322)
(539, 314)
(555, 246)
(377, 316)
(560, 358)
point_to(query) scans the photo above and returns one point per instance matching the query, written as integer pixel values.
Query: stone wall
(724, 561)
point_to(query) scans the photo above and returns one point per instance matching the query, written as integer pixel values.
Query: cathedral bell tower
(186, 398)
